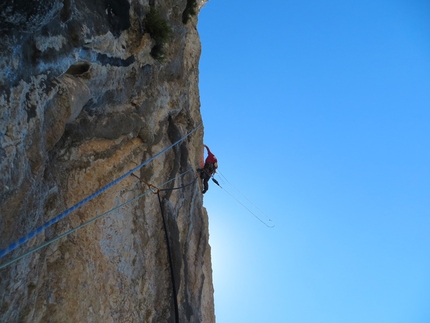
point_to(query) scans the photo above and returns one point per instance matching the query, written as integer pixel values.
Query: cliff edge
(89, 90)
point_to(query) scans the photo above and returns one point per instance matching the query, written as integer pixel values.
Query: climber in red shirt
(211, 164)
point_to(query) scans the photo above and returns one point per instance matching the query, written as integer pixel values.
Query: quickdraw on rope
(257, 217)
(154, 189)
(86, 223)
(54, 220)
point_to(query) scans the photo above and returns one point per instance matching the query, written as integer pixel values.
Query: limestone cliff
(88, 90)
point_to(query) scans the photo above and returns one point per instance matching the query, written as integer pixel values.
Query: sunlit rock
(84, 99)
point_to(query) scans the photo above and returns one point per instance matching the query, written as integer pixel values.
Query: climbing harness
(54, 220)
(238, 201)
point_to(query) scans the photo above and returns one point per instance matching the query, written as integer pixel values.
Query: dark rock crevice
(107, 127)
(78, 68)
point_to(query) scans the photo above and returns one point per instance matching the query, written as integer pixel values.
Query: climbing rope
(54, 220)
(157, 191)
(237, 200)
(169, 257)
(47, 243)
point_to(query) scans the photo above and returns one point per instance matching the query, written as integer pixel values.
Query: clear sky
(319, 113)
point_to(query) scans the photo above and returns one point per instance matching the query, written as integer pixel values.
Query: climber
(211, 164)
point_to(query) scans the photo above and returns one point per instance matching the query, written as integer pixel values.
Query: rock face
(87, 93)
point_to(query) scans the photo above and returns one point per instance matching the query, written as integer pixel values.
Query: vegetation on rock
(190, 10)
(159, 30)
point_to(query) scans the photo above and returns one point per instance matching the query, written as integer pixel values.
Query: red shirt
(211, 157)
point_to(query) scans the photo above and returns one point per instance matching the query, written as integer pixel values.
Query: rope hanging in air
(237, 200)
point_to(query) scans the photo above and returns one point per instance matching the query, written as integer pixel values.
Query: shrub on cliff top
(159, 30)
(190, 10)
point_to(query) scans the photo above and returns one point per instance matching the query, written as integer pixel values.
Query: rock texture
(82, 101)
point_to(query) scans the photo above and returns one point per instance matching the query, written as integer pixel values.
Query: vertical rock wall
(83, 101)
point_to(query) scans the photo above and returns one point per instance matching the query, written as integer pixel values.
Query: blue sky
(319, 114)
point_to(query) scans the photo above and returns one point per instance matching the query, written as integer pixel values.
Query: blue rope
(54, 220)
(89, 222)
